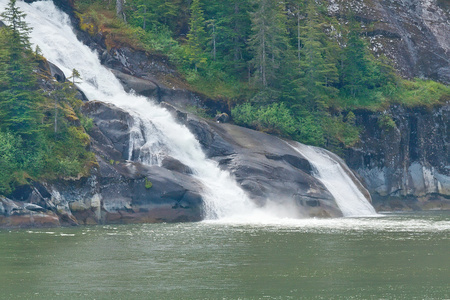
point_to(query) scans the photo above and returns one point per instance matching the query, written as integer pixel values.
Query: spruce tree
(232, 27)
(168, 11)
(197, 35)
(319, 73)
(18, 95)
(268, 42)
(359, 70)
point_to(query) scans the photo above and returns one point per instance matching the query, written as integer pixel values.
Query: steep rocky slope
(123, 191)
(414, 34)
(405, 166)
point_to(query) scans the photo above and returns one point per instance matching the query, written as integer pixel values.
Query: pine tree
(197, 35)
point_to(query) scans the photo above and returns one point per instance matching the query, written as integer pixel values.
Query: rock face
(124, 191)
(414, 34)
(152, 76)
(405, 166)
(266, 167)
(18, 214)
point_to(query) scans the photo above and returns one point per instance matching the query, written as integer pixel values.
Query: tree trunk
(119, 9)
(56, 116)
(263, 60)
(145, 13)
(214, 41)
(298, 35)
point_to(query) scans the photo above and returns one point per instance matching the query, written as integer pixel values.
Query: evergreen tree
(75, 75)
(232, 27)
(18, 95)
(297, 9)
(319, 73)
(213, 29)
(268, 42)
(197, 35)
(359, 71)
(168, 11)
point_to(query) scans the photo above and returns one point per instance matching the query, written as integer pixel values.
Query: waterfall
(330, 172)
(155, 133)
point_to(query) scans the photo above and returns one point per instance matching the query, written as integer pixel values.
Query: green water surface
(392, 257)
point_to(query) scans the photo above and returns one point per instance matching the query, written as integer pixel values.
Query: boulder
(56, 72)
(173, 164)
(34, 207)
(140, 86)
(266, 167)
(222, 118)
(129, 192)
(111, 134)
(15, 214)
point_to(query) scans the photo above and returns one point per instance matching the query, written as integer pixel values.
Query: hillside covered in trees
(285, 67)
(41, 132)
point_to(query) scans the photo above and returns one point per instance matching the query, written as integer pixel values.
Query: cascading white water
(160, 136)
(155, 134)
(348, 197)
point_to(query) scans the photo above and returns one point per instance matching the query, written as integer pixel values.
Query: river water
(403, 256)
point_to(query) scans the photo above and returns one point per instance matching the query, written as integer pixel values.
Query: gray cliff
(414, 34)
(406, 166)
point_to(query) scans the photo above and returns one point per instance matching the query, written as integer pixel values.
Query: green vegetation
(148, 184)
(41, 136)
(284, 67)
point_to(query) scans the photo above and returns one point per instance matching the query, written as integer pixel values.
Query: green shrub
(274, 118)
(148, 184)
(386, 122)
(310, 131)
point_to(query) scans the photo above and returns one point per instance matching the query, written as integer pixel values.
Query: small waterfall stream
(348, 197)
